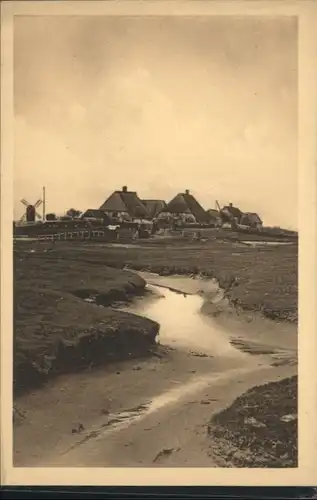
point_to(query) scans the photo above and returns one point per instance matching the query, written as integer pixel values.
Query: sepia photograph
(155, 241)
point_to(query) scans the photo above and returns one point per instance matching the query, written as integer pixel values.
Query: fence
(76, 235)
(87, 235)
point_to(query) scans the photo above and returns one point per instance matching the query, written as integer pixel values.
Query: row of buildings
(126, 205)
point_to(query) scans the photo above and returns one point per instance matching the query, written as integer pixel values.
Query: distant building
(252, 220)
(185, 206)
(94, 214)
(214, 217)
(155, 207)
(125, 204)
(230, 212)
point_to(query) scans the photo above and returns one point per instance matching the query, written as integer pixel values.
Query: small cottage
(231, 213)
(251, 219)
(186, 207)
(155, 207)
(125, 205)
(214, 217)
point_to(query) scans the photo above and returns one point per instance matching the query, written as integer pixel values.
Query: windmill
(30, 214)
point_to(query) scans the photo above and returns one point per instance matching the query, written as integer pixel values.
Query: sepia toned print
(155, 319)
(155, 244)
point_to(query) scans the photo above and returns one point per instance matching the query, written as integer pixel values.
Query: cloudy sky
(160, 104)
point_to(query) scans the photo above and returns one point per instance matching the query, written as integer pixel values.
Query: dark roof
(186, 203)
(212, 212)
(155, 207)
(94, 212)
(235, 211)
(125, 201)
(251, 217)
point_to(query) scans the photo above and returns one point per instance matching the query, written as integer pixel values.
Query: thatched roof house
(155, 207)
(126, 203)
(251, 219)
(232, 211)
(186, 204)
(214, 216)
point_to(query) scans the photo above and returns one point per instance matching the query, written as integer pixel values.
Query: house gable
(114, 204)
(155, 207)
(178, 205)
(135, 207)
(195, 208)
(125, 202)
(185, 203)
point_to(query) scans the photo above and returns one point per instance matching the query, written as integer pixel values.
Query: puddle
(267, 243)
(91, 299)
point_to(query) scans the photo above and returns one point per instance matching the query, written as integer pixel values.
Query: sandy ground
(182, 405)
(152, 412)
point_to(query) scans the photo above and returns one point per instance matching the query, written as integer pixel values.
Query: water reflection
(183, 325)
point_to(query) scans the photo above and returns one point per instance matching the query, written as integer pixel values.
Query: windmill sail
(30, 214)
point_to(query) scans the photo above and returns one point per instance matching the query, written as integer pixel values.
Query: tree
(73, 213)
(51, 216)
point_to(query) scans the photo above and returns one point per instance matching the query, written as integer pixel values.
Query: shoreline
(216, 302)
(231, 304)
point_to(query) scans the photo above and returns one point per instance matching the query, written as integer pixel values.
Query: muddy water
(182, 312)
(254, 243)
(182, 325)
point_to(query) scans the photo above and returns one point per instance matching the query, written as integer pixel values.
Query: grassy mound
(55, 331)
(259, 429)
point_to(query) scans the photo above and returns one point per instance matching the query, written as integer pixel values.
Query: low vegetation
(260, 279)
(259, 429)
(56, 331)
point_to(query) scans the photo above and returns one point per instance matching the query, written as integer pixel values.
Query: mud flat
(151, 411)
